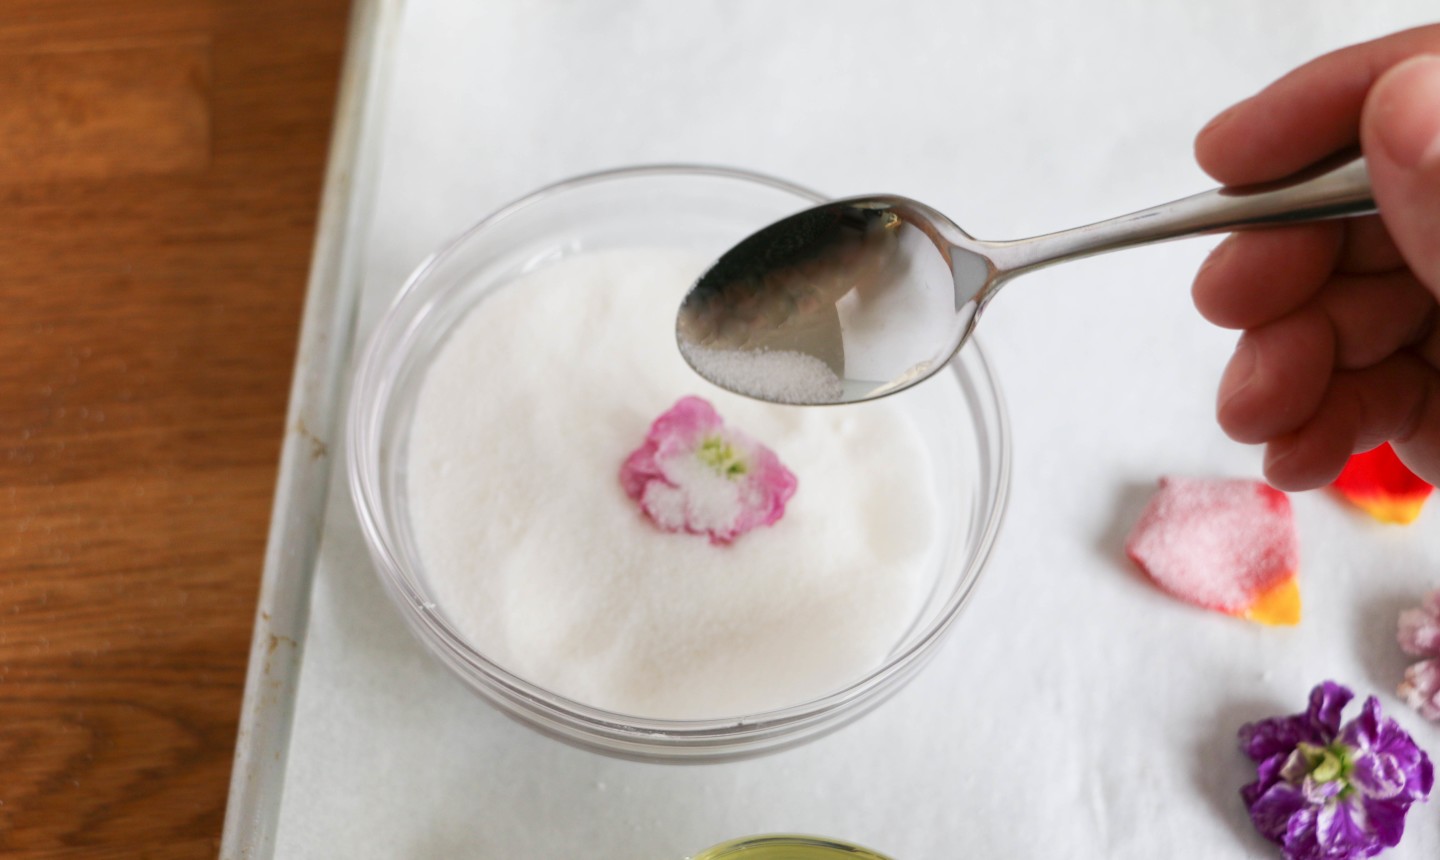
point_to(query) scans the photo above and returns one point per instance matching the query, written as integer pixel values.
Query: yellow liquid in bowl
(787, 848)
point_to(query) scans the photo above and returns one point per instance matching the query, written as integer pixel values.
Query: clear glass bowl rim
(785, 840)
(370, 392)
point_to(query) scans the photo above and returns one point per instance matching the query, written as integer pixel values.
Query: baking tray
(354, 743)
(309, 452)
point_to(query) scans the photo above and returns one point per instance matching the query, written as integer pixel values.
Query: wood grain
(160, 166)
(104, 112)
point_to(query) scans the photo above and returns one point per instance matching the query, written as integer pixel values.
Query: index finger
(1307, 114)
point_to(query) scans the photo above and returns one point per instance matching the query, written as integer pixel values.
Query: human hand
(1341, 320)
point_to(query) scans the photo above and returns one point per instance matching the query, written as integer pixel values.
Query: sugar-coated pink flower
(1419, 632)
(1421, 688)
(694, 474)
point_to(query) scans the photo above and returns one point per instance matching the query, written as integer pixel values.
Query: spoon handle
(1330, 190)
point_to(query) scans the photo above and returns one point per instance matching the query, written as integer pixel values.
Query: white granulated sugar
(535, 554)
(783, 376)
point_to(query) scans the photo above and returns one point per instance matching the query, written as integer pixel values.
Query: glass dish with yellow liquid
(781, 847)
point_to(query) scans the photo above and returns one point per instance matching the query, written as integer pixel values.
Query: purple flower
(1326, 791)
(696, 475)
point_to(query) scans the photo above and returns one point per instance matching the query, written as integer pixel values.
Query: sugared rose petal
(1223, 544)
(694, 474)
(1382, 486)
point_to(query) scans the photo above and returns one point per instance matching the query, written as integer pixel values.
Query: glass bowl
(786, 847)
(959, 414)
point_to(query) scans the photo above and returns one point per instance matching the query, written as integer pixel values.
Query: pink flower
(1419, 634)
(693, 474)
(1420, 628)
(1421, 688)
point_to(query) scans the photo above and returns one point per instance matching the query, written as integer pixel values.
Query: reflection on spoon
(859, 298)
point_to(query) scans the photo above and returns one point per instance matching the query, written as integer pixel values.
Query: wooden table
(160, 167)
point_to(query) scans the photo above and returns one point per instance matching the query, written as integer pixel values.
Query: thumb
(1400, 134)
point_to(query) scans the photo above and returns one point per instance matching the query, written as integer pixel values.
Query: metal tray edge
(317, 389)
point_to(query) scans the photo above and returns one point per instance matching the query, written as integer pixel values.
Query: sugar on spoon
(862, 297)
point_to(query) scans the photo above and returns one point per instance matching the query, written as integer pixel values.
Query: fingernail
(1240, 373)
(1217, 254)
(1220, 119)
(1405, 110)
(1279, 450)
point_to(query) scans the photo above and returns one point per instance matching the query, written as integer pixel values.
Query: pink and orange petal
(1222, 544)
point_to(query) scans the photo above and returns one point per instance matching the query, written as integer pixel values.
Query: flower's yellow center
(1329, 763)
(721, 456)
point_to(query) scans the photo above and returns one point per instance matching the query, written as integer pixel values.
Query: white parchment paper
(1075, 712)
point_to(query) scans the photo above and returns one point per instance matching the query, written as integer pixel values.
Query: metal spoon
(863, 297)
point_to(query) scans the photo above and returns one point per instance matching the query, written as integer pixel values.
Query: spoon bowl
(859, 298)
